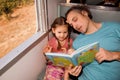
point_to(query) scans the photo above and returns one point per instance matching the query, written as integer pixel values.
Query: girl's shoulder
(71, 40)
(52, 40)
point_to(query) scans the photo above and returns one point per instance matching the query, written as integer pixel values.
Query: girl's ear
(53, 30)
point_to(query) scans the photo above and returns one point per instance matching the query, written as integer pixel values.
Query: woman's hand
(106, 55)
(76, 70)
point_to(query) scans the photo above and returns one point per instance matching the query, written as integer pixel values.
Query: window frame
(13, 56)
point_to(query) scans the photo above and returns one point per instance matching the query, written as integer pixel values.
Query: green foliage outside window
(7, 6)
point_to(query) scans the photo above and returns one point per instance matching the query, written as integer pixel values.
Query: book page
(87, 55)
(62, 61)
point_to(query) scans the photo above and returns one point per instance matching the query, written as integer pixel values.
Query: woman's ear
(84, 13)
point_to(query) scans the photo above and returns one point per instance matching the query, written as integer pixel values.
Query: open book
(83, 55)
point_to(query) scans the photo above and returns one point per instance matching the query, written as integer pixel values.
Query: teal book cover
(82, 56)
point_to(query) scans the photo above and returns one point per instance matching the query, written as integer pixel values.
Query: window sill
(12, 57)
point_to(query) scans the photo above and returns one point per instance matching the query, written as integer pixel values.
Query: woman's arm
(66, 75)
(107, 55)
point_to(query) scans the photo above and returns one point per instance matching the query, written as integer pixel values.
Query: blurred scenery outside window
(17, 23)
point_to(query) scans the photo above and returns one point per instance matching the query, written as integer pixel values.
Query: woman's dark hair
(78, 1)
(58, 22)
(79, 9)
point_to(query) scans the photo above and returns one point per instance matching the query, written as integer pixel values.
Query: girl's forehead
(61, 27)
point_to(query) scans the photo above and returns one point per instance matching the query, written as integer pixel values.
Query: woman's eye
(74, 19)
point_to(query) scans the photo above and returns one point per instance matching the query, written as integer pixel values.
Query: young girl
(61, 42)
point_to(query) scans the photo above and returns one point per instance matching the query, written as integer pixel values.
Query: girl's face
(61, 32)
(78, 21)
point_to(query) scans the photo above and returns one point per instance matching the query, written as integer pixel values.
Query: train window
(22, 22)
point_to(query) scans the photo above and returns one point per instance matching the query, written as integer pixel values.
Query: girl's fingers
(50, 49)
(47, 49)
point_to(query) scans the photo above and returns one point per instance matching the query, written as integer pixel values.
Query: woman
(106, 65)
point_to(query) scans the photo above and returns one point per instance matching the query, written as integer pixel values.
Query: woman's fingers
(76, 70)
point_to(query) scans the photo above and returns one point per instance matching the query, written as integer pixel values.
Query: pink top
(53, 43)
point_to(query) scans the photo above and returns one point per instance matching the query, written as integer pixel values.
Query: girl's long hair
(61, 21)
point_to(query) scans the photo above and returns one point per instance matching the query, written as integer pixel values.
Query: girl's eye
(59, 32)
(65, 32)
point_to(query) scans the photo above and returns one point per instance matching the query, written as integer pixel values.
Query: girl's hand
(64, 50)
(70, 51)
(47, 49)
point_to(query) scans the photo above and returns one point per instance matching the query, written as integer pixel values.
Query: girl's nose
(62, 34)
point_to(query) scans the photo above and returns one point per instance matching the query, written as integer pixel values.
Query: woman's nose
(75, 26)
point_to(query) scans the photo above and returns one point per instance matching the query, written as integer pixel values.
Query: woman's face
(78, 21)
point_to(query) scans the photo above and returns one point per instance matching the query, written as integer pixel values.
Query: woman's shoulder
(111, 23)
